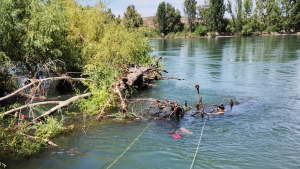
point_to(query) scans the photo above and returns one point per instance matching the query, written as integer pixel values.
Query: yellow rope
(129, 146)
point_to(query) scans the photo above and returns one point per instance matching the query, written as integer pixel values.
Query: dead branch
(122, 101)
(17, 91)
(61, 105)
(155, 64)
(31, 105)
(34, 81)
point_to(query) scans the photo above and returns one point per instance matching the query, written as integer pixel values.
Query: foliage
(148, 32)
(34, 31)
(160, 18)
(216, 14)
(203, 12)
(201, 30)
(48, 128)
(106, 61)
(132, 18)
(13, 143)
(189, 8)
(167, 19)
(247, 29)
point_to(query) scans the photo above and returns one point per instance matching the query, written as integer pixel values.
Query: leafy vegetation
(189, 8)
(132, 18)
(267, 16)
(167, 19)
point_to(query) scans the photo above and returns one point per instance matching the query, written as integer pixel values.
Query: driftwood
(54, 109)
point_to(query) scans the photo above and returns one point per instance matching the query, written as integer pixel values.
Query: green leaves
(48, 128)
(168, 20)
(189, 8)
(132, 18)
(216, 14)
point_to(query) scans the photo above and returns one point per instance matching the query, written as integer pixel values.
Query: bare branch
(34, 81)
(30, 105)
(61, 105)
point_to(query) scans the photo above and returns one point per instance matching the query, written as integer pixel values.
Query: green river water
(263, 73)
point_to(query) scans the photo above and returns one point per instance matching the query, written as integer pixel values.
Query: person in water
(221, 107)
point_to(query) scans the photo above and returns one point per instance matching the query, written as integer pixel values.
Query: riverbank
(182, 35)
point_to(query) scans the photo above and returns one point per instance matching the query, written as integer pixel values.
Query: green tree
(248, 6)
(160, 18)
(237, 17)
(216, 15)
(167, 19)
(173, 19)
(132, 18)
(203, 11)
(32, 32)
(189, 8)
(290, 10)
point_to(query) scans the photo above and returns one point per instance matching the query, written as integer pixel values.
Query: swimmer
(184, 130)
(181, 129)
(221, 108)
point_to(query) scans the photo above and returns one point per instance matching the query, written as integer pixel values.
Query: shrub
(201, 30)
(247, 30)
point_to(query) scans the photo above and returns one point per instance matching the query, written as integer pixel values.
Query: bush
(212, 34)
(272, 28)
(247, 30)
(201, 30)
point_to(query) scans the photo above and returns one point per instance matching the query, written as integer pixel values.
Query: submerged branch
(61, 105)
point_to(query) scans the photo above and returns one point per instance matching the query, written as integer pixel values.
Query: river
(262, 73)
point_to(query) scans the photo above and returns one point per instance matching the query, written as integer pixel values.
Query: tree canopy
(167, 19)
(132, 18)
(216, 15)
(189, 8)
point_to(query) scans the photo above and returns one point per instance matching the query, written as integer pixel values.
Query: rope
(198, 144)
(129, 146)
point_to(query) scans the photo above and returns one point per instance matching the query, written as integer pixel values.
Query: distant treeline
(246, 18)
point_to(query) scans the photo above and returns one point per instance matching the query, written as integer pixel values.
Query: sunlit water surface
(263, 73)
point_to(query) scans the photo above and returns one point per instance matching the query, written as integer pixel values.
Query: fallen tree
(138, 77)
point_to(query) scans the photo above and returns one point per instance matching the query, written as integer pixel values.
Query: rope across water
(198, 144)
(129, 146)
